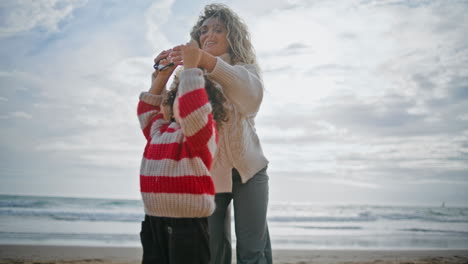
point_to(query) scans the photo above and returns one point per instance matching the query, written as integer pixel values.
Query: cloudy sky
(365, 101)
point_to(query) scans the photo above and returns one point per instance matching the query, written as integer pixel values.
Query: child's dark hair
(215, 97)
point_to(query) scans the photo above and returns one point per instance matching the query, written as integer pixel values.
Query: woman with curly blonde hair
(239, 170)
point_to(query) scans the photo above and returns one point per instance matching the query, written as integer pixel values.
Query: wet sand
(19, 254)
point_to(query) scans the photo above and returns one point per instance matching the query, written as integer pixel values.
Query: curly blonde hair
(238, 36)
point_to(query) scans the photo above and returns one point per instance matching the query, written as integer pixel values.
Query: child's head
(215, 97)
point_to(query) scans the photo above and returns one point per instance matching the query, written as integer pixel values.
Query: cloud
(413, 82)
(296, 48)
(14, 81)
(91, 149)
(257, 8)
(21, 115)
(331, 69)
(403, 3)
(368, 185)
(156, 17)
(16, 115)
(82, 87)
(378, 116)
(463, 117)
(22, 15)
(371, 97)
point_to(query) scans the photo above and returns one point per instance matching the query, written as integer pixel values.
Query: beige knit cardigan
(239, 146)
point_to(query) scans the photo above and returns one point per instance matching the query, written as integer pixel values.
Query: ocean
(116, 222)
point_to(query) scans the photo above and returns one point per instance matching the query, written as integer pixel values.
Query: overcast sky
(365, 101)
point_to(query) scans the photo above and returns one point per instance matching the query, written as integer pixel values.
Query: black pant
(168, 240)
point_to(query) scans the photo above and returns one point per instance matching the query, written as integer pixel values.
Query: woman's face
(213, 37)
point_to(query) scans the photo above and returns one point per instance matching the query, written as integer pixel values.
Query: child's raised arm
(195, 112)
(149, 106)
(149, 113)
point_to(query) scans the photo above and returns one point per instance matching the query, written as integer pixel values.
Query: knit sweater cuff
(223, 72)
(151, 99)
(191, 79)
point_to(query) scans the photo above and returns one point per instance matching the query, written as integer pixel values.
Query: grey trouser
(250, 216)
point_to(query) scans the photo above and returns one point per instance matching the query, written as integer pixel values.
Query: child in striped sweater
(175, 181)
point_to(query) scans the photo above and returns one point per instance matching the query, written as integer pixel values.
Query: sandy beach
(94, 255)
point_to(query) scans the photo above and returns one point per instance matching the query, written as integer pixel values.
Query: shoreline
(42, 254)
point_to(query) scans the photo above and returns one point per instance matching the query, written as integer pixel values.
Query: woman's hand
(188, 55)
(197, 57)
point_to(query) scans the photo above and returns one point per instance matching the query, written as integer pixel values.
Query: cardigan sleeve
(241, 83)
(149, 113)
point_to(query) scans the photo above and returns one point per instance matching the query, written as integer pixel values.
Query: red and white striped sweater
(175, 178)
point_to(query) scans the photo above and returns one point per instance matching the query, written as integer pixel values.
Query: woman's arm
(241, 83)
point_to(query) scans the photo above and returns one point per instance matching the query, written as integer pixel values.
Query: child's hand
(163, 55)
(163, 59)
(169, 70)
(160, 78)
